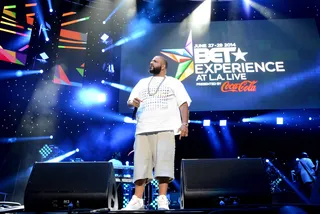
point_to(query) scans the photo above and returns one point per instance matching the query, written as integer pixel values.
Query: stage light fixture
(223, 123)
(44, 56)
(279, 120)
(19, 73)
(206, 123)
(104, 37)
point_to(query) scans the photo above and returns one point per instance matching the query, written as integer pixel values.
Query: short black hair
(304, 155)
(165, 61)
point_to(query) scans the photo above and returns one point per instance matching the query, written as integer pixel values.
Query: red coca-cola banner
(244, 86)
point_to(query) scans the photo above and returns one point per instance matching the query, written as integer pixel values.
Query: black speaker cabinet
(81, 185)
(209, 183)
(315, 194)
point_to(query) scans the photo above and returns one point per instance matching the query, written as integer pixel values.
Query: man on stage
(307, 170)
(162, 107)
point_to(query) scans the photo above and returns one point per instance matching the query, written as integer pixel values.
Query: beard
(155, 70)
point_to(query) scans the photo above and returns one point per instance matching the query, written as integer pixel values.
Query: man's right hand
(136, 102)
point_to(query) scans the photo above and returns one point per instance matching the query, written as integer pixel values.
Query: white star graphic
(240, 55)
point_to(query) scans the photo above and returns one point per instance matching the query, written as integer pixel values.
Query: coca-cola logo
(244, 86)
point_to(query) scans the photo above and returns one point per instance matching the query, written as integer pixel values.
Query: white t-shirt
(159, 109)
(304, 174)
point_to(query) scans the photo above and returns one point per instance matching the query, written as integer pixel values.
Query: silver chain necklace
(157, 88)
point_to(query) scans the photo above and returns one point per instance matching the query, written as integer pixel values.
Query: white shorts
(156, 151)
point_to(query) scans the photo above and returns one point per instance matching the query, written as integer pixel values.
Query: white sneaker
(163, 203)
(135, 204)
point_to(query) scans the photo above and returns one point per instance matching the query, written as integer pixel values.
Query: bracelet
(185, 124)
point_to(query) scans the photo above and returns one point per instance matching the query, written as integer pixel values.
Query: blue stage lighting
(103, 81)
(310, 118)
(154, 204)
(101, 98)
(129, 120)
(41, 71)
(223, 122)
(61, 157)
(51, 10)
(206, 123)
(245, 120)
(154, 183)
(51, 136)
(267, 160)
(45, 151)
(91, 96)
(196, 121)
(77, 150)
(12, 140)
(119, 86)
(19, 73)
(279, 120)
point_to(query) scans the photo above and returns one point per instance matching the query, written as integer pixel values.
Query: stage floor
(280, 208)
(285, 209)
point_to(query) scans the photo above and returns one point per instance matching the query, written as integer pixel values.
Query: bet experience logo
(219, 64)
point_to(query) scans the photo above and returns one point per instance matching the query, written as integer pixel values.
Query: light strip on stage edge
(10, 7)
(75, 21)
(13, 32)
(30, 14)
(13, 25)
(70, 41)
(10, 20)
(72, 47)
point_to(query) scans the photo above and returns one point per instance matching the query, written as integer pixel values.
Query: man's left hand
(183, 131)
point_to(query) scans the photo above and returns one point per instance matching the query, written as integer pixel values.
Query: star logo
(184, 57)
(240, 55)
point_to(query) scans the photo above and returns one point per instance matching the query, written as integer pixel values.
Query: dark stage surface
(280, 208)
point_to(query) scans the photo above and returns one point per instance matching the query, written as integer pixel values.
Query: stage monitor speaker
(69, 185)
(315, 194)
(210, 183)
